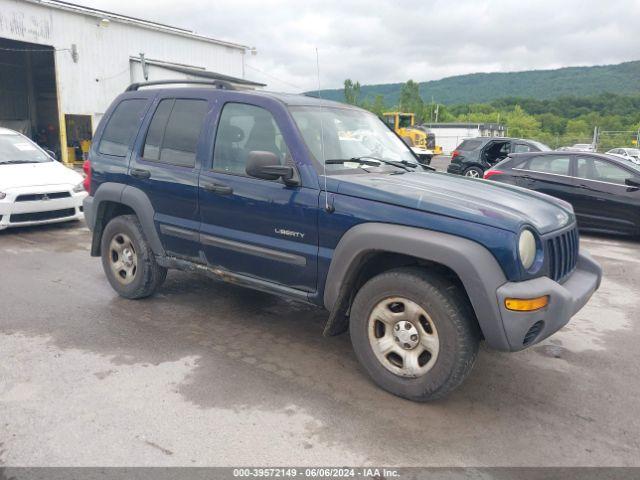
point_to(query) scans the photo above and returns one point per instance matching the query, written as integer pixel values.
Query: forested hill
(623, 79)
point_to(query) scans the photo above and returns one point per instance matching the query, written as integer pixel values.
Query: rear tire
(127, 259)
(428, 341)
(473, 172)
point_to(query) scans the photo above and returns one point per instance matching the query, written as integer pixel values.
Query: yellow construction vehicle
(422, 142)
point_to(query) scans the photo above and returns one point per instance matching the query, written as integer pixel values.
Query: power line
(273, 77)
(100, 79)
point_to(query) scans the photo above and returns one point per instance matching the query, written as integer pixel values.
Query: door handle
(218, 188)
(140, 173)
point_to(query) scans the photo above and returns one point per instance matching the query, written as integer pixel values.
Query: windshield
(18, 149)
(349, 133)
(405, 121)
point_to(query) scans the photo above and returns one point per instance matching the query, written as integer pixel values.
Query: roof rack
(220, 84)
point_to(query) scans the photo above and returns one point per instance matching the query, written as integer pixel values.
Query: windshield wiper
(372, 162)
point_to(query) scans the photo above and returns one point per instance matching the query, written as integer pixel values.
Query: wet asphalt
(206, 373)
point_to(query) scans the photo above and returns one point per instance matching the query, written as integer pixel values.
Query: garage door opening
(79, 133)
(28, 94)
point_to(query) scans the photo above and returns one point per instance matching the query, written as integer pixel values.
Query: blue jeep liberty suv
(320, 202)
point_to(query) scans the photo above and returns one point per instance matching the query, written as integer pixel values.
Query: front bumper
(524, 329)
(17, 213)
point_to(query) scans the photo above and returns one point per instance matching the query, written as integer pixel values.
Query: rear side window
(173, 134)
(122, 127)
(556, 164)
(468, 145)
(521, 148)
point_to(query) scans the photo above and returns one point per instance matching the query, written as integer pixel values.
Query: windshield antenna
(328, 208)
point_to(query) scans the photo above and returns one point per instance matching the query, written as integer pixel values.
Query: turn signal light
(86, 168)
(526, 304)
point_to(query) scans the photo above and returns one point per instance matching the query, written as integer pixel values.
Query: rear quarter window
(122, 127)
(468, 145)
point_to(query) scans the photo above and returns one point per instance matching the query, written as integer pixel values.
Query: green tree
(521, 124)
(378, 106)
(410, 100)
(351, 91)
(552, 123)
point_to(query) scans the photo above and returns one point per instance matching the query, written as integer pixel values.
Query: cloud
(380, 41)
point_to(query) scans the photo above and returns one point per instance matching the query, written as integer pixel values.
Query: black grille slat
(34, 197)
(562, 252)
(37, 216)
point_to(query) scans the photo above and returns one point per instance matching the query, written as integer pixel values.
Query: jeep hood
(489, 203)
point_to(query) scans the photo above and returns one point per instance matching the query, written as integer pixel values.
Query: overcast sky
(376, 41)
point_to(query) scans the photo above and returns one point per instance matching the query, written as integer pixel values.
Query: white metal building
(62, 64)
(450, 135)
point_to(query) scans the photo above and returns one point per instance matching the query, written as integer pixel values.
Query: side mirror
(265, 165)
(633, 182)
(51, 153)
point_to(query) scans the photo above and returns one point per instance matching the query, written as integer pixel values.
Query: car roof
(488, 139)
(288, 99)
(603, 156)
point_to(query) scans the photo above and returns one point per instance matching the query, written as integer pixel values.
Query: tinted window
(174, 131)
(521, 148)
(242, 129)
(469, 145)
(557, 164)
(155, 133)
(594, 169)
(121, 128)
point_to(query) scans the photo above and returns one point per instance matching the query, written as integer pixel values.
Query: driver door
(258, 228)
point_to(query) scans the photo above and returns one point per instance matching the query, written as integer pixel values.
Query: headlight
(78, 188)
(527, 248)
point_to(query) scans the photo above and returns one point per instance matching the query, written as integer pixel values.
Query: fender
(132, 197)
(473, 263)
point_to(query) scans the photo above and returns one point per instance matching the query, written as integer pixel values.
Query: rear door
(258, 228)
(550, 174)
(605, 201)
(166, 167)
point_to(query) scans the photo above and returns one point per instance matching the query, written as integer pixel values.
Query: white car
(631, 154)
(34, 188)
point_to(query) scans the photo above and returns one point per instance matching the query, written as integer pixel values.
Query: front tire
(127, 259)
(414, 332)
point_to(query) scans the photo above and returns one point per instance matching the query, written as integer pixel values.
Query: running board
(234, 278)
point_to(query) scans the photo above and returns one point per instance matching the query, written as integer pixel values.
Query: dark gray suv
(475, 155)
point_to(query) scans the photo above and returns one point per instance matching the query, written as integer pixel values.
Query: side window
(122, 127)
(600, 170)
(173, 134)
(153, 142)
(521, 148)
(243, 129)
(556, 164)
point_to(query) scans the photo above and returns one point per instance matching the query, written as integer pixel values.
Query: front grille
(33, 197)
(562, 251)
(37, 216)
